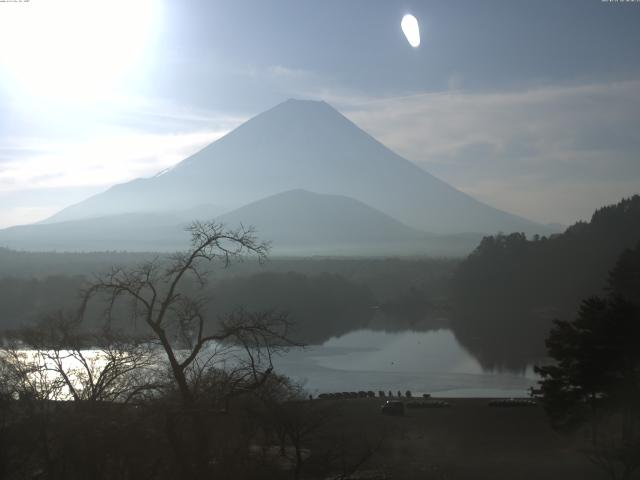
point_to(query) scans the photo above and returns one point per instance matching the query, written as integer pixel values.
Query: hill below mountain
(301, 222)
(298, 219)
(296, 222)
(303, 145)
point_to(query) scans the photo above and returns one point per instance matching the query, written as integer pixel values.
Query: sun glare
(411, 30)
(74, 48)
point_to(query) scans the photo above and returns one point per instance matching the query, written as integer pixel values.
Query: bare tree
(85, 366)
(300, 420)
(25, 376)
(316, 437)
(169, 298)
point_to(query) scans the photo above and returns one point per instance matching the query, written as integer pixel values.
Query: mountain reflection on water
(423, 362)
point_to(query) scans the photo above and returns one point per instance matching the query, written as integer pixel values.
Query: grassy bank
(468, 440)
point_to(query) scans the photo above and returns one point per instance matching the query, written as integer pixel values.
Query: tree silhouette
(596, 378)
(237, 348)
(506, 294)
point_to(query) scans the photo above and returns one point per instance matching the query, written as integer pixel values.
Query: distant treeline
(24, 302)
(386, 277)
(500, 300)
(323, 296)
(320, 305)
(43, 264)
(508, 291)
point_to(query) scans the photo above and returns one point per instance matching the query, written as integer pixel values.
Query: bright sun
(411, 30)
(73, 48)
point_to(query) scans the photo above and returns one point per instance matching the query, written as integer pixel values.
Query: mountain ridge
(309, 145)
(296, 222)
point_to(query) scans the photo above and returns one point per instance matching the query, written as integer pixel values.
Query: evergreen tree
(595, 380)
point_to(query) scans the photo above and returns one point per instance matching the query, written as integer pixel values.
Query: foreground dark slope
(304, 145)
(508, 291)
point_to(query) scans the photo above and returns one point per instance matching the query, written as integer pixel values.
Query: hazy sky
(531, 106)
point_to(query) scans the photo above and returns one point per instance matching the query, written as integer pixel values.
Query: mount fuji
(297, 145)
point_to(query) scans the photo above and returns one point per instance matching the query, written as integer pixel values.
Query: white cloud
(28, 206)
(25, 215)
(550, 154)
(282, 72)
(151, 114)
(73, 148)
(99, 161)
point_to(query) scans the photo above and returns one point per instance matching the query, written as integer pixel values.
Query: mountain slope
(307, 145)
(295, 222)
(123, 232)
(316, 223)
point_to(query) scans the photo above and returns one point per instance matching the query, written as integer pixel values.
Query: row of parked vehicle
(369, 394)
(347, 395)
(512, 402)
(396, 407)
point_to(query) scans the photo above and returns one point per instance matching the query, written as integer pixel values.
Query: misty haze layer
(384, 200)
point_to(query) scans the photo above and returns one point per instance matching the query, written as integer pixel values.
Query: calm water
(423, 362)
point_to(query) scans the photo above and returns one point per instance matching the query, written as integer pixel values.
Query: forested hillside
(507, 292)
(324, 296)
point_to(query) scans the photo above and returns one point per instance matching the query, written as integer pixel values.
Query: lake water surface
(423, 362)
